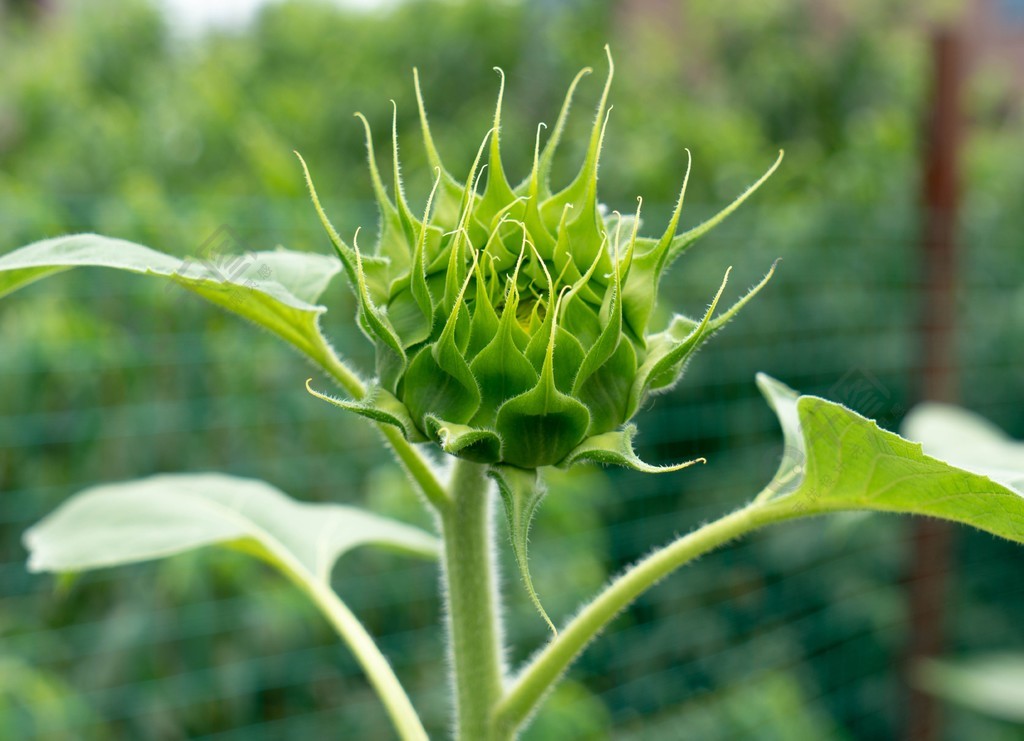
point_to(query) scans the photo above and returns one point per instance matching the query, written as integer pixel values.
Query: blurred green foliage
(111, 122)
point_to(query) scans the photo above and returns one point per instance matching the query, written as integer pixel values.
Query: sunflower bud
(511, 321)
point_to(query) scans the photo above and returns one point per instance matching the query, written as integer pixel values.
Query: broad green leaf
(967, 440)
(836, 460)
(991, 684)
(164, 515)
(276, 290)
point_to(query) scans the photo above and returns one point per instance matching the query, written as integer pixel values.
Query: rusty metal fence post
(931, 562)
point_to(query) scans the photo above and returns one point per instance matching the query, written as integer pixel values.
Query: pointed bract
(379, 406)
(512, 324)
(616, 449)
(521, 492)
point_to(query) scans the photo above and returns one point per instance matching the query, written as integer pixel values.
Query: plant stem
(411, 459)
(474, 631)
(376, 666)
(345, 377)
(537, 678)
(416, 466)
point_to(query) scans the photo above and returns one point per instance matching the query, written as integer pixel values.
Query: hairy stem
(376, 666)
(340, 372)
(410, 458)
(379, 672)
(474, 630)
(534, 681)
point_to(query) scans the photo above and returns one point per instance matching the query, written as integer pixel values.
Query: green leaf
(276, 290)
(541, 426)
(967, 440)
(375, 268)
(568, 358)
(484, 322)
(420, 321)
(406, 316)
(992, 684)
(616, 448)
(164, 515)
(521, 492)
(641, 288)
(640, 292)
(837, 460)
(529, 214)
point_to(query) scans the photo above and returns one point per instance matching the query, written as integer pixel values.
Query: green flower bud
(511, 322)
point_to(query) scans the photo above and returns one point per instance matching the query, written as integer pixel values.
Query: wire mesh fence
(106, 124)
(795, 631)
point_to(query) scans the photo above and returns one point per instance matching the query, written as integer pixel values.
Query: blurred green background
(114, 119)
